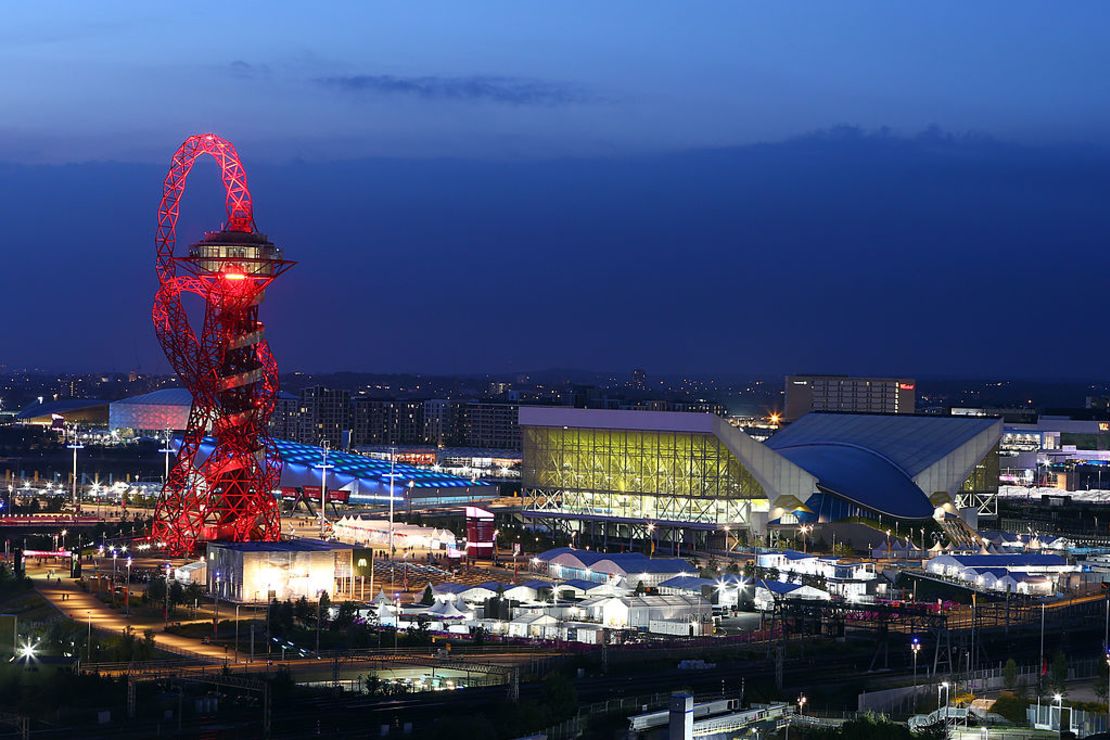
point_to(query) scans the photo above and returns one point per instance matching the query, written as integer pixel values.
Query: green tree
(346, 616)
(560, 697)
(302, 612)
(285, 623)
(428, 598)
(156, 590)
(1010, 674)
(1058, 673)
(194, 592)
(177, 594)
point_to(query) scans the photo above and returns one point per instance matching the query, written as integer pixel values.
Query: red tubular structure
(228, 367)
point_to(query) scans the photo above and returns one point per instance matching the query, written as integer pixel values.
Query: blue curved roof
(872, 459)
(62, 407)
(912, 443)
(862, 476)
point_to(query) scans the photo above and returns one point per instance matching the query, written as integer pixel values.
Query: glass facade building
(642, 475)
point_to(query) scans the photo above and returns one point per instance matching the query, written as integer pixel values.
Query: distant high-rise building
(325, 415)
(287, 420)
(805, 393)
(378, 421)
(639, 379)
(491, 425)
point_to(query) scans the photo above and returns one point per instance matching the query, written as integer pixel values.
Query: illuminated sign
(905, 386)
(1104, 426)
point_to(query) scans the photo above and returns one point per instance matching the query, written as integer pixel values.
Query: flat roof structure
(367, 479)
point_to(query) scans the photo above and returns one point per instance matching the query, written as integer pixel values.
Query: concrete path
(84, 608)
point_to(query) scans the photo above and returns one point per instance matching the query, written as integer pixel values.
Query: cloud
(507, 90)
(246, 70)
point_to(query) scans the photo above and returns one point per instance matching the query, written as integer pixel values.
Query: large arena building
(693, 480)
(358, 479)
(151, 414)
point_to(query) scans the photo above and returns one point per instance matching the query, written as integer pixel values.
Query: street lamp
(127, 590)
(802, 704)
(1108, 685)
(323, 467)
(216, 621)
(89, 614)
(915, 646)
(75, 445)
(943, 687)
(392, 479)
(167, 450)
(1058, 699)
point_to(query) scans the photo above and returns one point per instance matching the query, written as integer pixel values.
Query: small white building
(535, 625)
(766, 592)
(290, 569)
(621, 612)
(957, 566)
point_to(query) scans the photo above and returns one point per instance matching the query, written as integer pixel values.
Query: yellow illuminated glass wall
(637, 474)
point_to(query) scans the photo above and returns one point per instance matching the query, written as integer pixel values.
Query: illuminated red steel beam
(227, 366)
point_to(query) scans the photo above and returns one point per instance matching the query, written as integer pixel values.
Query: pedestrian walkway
(83, 607)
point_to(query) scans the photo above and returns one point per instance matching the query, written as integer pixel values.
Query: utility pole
(75, 445)
(324, 488)
(392, 474)
(167, 450)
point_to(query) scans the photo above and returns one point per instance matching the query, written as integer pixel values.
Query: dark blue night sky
(697, 187)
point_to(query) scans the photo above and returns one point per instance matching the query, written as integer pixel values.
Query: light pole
(323, 466)
(216, 621)
(75, 445)
(392, 478)
(915, 646)
(1040, 676)
(943, 687)
(63, 533)
(127, 590)
(802, 704)
(167, 450)
(1108, 687)
(166, 608)
(236, 633)
(89, 615)
(1058, 700)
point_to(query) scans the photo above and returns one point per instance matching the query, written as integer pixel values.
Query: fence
(1051, 716)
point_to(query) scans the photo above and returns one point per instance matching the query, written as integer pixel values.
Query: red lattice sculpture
(228, 367)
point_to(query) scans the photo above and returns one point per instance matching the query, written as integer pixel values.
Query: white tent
(375, 532)
(450, 611)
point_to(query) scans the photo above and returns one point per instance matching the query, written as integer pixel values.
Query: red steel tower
(227, 366)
